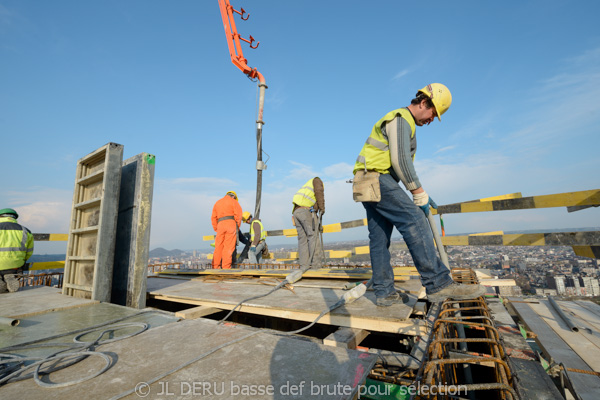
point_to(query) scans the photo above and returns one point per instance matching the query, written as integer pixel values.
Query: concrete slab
(38, 328)
(38, 300)
(200, 358)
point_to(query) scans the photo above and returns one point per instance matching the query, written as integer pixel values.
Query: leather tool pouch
(365, 186)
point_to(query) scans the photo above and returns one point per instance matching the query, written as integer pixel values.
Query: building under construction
(114, 330)
(114, 327)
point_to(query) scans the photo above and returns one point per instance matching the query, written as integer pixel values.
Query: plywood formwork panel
(90, 248)
(303, 304)
(587, 386)
(133, 231)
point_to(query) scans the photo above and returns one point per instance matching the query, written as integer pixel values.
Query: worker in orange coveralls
(226, 219)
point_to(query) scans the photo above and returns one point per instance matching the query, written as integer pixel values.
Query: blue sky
(156, 77)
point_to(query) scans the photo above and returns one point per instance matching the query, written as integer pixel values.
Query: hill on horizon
(161, 252)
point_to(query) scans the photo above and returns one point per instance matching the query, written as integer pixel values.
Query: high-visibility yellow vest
(305, 197)
(375, 154)
(263, 233)
(16, 244)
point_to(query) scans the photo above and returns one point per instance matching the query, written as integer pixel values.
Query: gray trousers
(254, 257)
(307, 237)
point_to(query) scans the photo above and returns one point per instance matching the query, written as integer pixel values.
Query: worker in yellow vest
(16, 246)
(308, 208)
(258, 237)
(386, 159)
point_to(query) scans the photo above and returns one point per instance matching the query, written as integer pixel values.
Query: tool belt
(365, 186)
(225, 218)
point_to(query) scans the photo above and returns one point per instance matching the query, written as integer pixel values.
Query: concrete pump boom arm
(237, 58)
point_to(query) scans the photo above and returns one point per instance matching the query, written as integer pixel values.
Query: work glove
(423, 201)
(253, 249)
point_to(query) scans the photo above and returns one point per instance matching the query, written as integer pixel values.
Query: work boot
(394, 298)
(3, 288)
(12, 283)
(457, 291)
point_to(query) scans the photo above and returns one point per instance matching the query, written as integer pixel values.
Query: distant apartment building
(591, 286)
(557, 283)
(505, 291)
(505, 262)
(545, 292)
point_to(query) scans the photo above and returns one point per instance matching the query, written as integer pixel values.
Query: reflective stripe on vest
(305, 197)
(263, 233)
(375, 154)
(23, 246)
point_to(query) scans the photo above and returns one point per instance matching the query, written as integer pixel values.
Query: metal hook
(241, 13)
(250, 41)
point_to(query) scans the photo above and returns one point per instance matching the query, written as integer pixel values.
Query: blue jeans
(397, 209)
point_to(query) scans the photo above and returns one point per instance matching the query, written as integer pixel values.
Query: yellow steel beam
(38, 266)
(570, 199)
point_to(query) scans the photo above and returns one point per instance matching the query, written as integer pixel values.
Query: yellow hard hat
(440, 97)
(233, 193)
(246, 216)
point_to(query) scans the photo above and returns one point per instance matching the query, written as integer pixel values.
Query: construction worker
(257, 237)
(226, 219)
(308, 209)
(242, 237)
(389, 152)
(16, 246)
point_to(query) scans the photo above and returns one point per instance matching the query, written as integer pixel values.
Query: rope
(581, 371)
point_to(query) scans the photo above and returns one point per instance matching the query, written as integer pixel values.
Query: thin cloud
(339, 170)
(443, 149)
(41, 209)
(400, 74)
(302, 171)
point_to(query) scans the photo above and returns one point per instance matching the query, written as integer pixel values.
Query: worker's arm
(213, 218)
(237, 213)
(402, 147)
(257, 233)
(29, 245)
(243, 238)
(319, 194)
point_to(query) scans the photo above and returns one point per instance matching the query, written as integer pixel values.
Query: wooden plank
(304, 304)
(533, 382)
(197, 312)
(347, 338)
(587, 386)
(514, 343)
(420, 308)
(579, 342)
(400, 273)
(583, 316)
(590, 306)
(553, 345)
